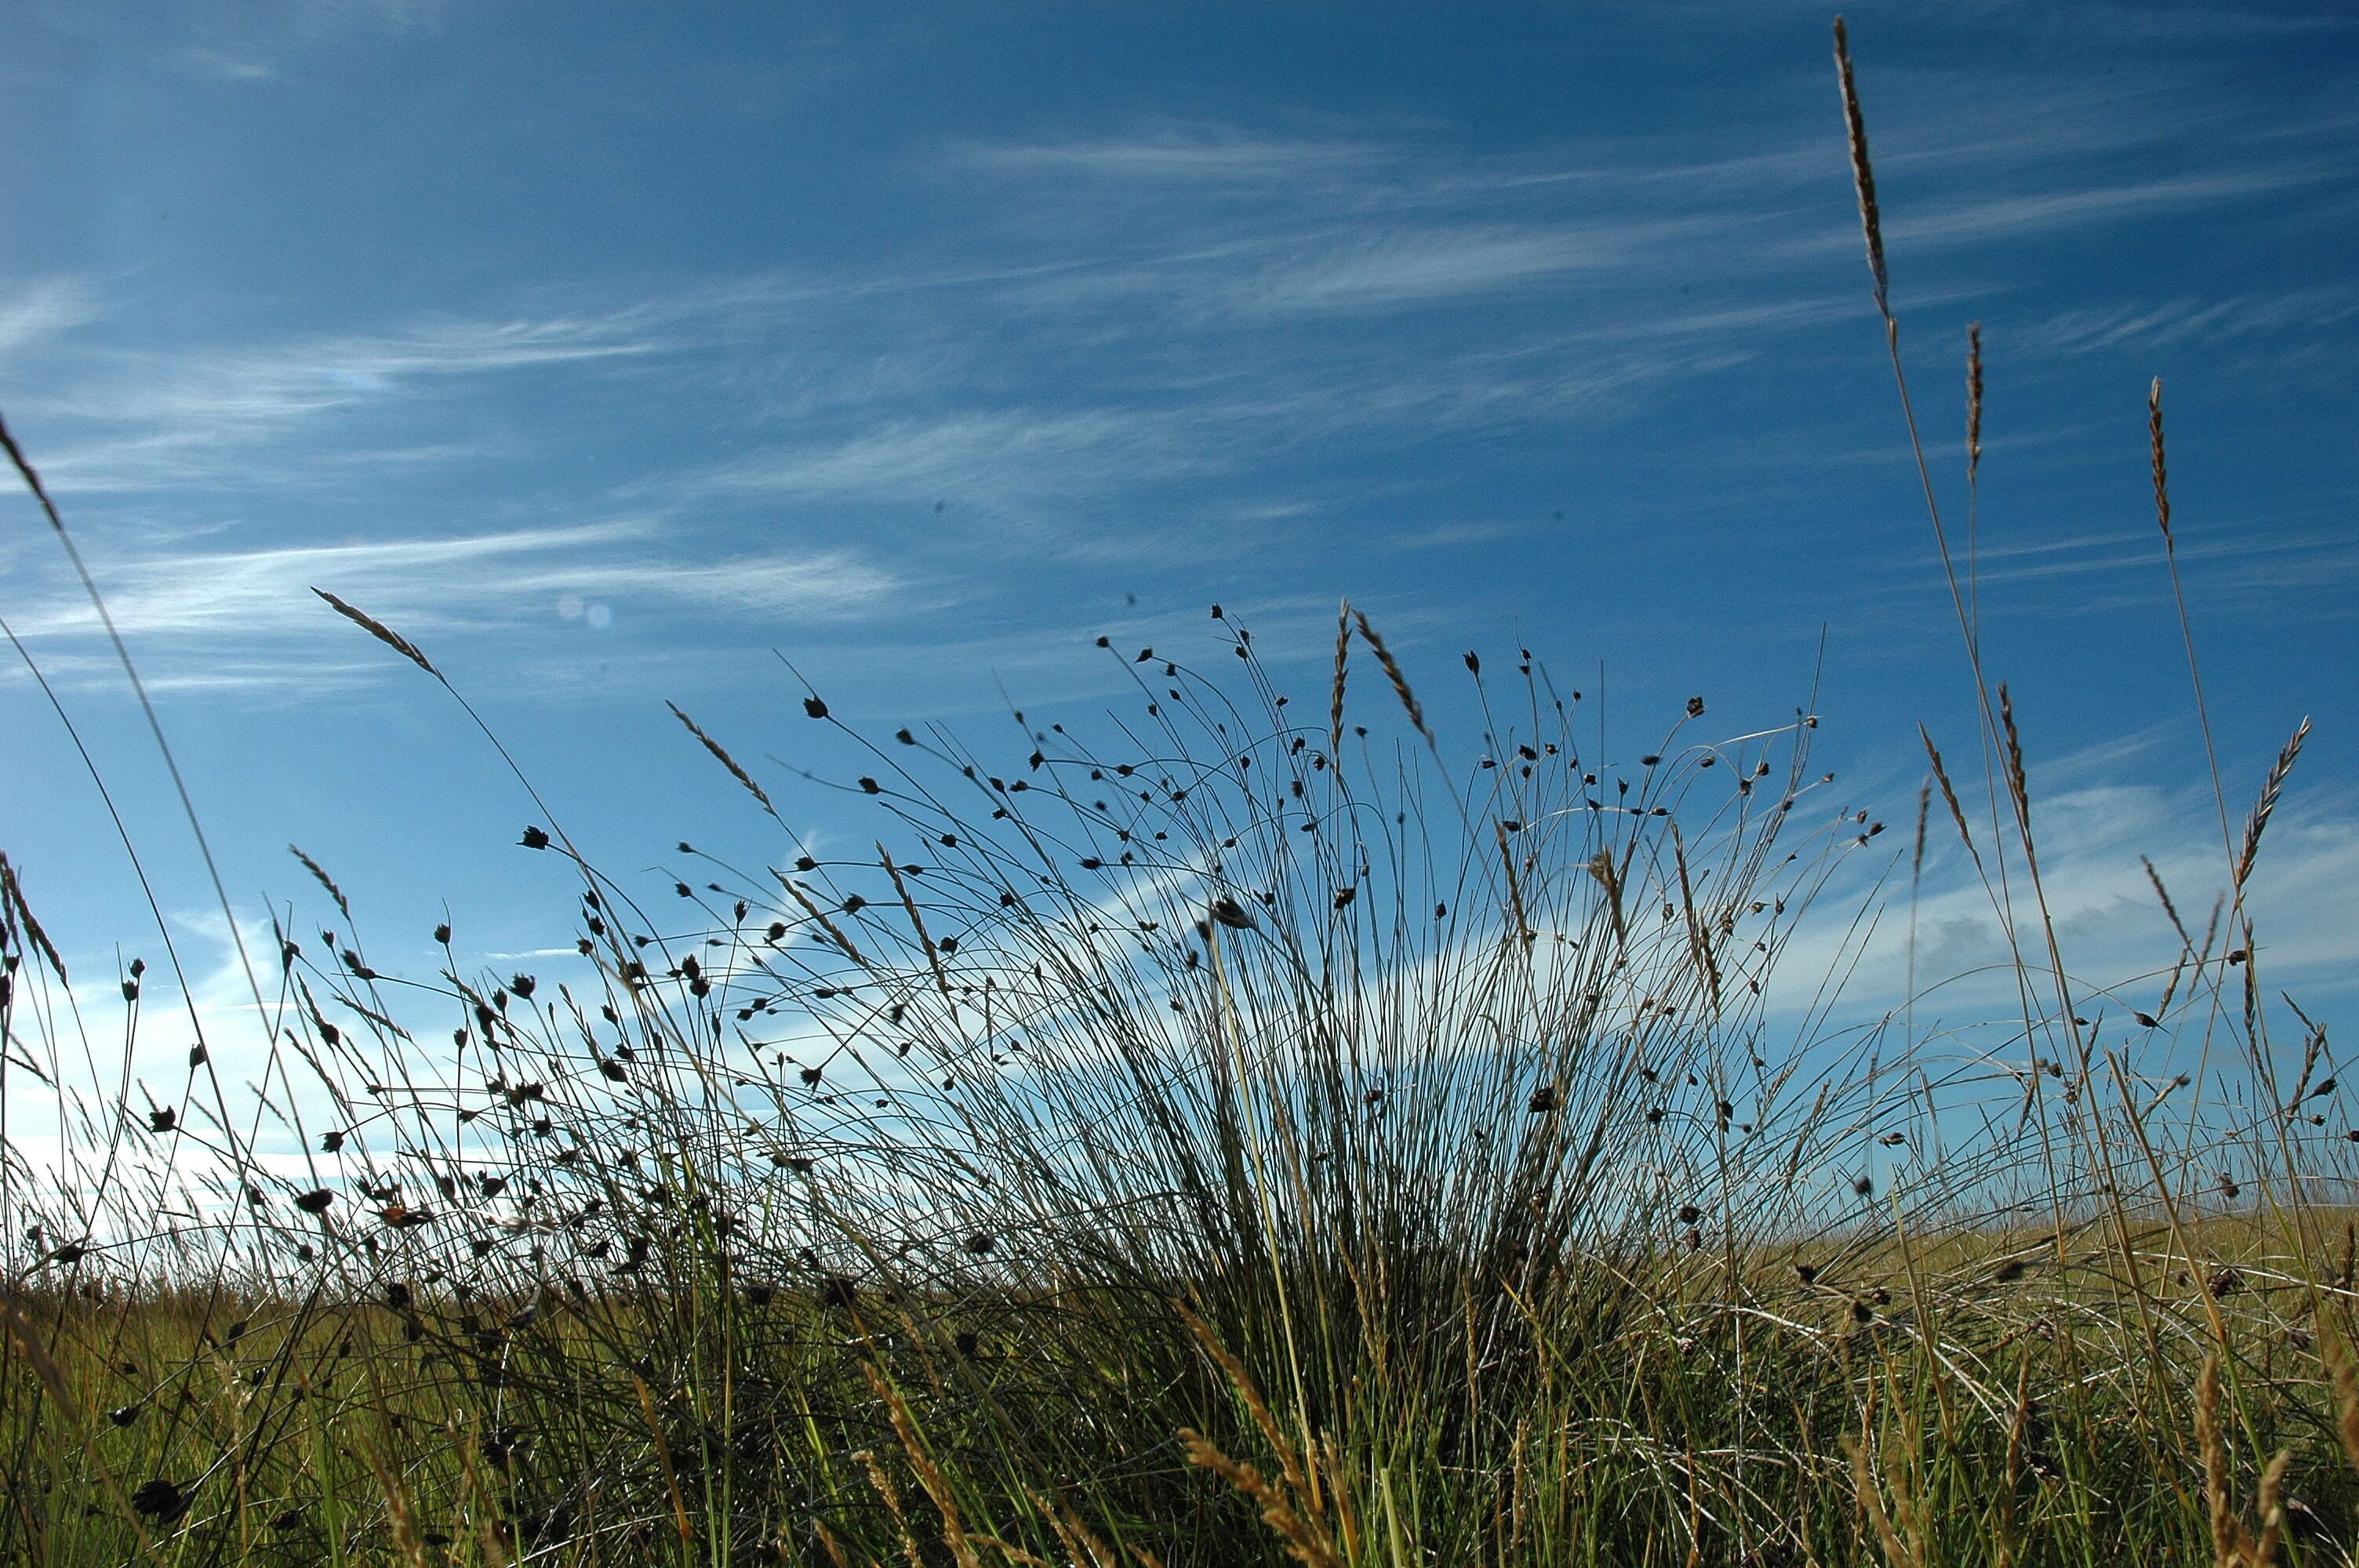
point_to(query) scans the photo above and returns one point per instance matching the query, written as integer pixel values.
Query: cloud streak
(252, 615)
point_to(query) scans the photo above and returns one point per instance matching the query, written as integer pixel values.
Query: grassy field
(1256, 1132)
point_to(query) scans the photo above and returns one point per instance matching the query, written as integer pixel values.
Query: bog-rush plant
(1200, 1135)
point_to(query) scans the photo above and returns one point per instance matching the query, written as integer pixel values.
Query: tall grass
(1219, 1134)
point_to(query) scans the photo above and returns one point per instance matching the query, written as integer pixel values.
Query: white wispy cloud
(1359, 272)
(1962, 222)
(2118, 945)
(1182, 304)
(998, 454)
(1185, 155)
(272, 382)
(1451, 536)
(2186, 318)
(254, 615)
(226, 64)
(232, 412)
(1035, 465)
(35, 312)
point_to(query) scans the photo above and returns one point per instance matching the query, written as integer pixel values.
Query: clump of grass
(1200, 1137)
(1194, 1140)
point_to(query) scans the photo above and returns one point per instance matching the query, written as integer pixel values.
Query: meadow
(1251, 1130)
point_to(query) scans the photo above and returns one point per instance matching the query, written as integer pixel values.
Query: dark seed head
(159, 1499)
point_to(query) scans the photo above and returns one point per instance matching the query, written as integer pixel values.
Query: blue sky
(613, 353)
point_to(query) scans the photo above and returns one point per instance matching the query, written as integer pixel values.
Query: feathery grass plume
(2018, 787)
(1870, 1502)
(32, 480)
(400, 1509)
(1519, 925)
(1973, 401)
(883, 1483)
(1924, 816)
(37, 1355)
(1392, 669)
(1863, 173)
(930, 1473)
(2336, 1352)
(1949, 795)
(2227, 1535)
(484, 1498)
(2162, 895)
(1242, 1381)
(916, 921)
(320, 875)
(380, 631)
(1699, 942)
(2271, 788)
(832, 1547)
(22, 914)
(1335, 692)
(2187, 953)
(2272, 1506)
(1083, 1548)
(795, 890)
(2186, 624)
(724, 758)
(1022, 1558)
(1601, 866)
(1304, 1541)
